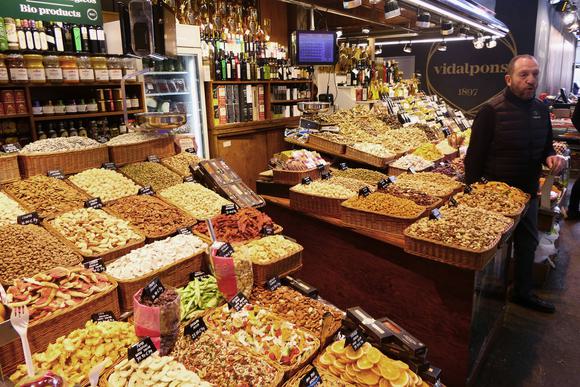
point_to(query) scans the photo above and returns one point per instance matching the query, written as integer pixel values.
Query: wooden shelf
(104, 84)
(281, 101)
(261, 123)
(11, 116)
(236, 82)
(291, 81)
(166, 73)
(170, 93)
(260, 81)
(82, 115)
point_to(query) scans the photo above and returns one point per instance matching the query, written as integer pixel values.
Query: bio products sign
(69, 11)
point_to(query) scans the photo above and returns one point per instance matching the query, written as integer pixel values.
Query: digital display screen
(316, 48)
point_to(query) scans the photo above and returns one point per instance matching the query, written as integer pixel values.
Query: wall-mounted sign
(69, 11)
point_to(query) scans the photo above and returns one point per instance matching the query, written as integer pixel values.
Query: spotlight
(392, 9)
(464, 31)
(442, 47)
(350, 4)
(492, 43)
(423, 20)
(366, 30)
(569, 17)
(408, 49)
(478, 44)
(378, 51)
(338, 33)
(446, 27)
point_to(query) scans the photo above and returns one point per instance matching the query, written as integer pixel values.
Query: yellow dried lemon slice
(352, 354)
(364, 364)
(402, 381)
(389, 371)
(338, 347)
(339, 365)
(401, 365)
(374, 355)
(326, 359)
(368, 377)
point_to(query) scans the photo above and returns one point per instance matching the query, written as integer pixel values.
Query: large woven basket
(294, 177)
(176, 275)
(284, 266)
(394, 171)
(9, 170)
(367, 158)
(206, 238)
(132, 153)
(318, 205)
(69, 162)
(326, 145)
(45, 331)
(371, 220)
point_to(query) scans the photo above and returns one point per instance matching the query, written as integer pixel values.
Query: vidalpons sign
(68, 11)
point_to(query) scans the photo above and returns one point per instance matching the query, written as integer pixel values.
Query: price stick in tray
(311, 379)
(342, 166)
(110, 166)
(195, 328)
(384, 183)
(191, 150)
(103, 316)
(355, 339)
(142, 350)
(153, 159)
(229, 209)
(95, 203)
(56, 173)
(273, 283)
(188, 179)
(325, 175)
(467, 189)
(154, 289)
(435, 214)
(146, 191)
(364, 191)
(11, 148)
(453, 202)
(446, 132)
(95, 265)
(30, 218)
(411, 170)
(198, 274)
(302, 287)
(306, 180)
(484, 180)
(268, 229)
(238, 302)
(184, 231)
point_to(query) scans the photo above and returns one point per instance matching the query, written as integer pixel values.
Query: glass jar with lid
(100, 68)
(86, 73)
(70, 69)
(52, 69)
(16, 68)
(4, 78)
(129, 68)
(115, 69)
(35, 68)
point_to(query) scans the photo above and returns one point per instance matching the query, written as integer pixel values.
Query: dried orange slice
(364, 364)
(335, 371)
(389, 371)
(401, 365)
(339, 365)
(368, 377)
(352, 354)
(376, 370)
(338, 347)
(384, 383)
(350, 370)
(402, 381)
(374, 355)
(326, 359)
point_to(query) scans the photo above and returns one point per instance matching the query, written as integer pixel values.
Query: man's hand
(556, 164)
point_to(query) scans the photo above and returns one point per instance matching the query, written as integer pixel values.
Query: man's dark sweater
(510, 140)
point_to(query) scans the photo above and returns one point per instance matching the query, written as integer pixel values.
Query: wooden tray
(294, 177)
(284, 266)
(367, 158)
(176, 275)
(9, 170)
(107, 256)
(375, 221)
(132, 153)
(69, 162)
(315, 204)
(327, 378)
(45, 331)
(326, 144)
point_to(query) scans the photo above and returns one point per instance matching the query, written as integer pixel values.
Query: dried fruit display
(418, 197)
(434, 184)
(199, 295)
(267, 250)
(494, 196)
(73, 355)
(245, 225)
(195, 199)
(386, 204)
(221, 362)
(367, 176)
(296, 160)
(428, 151)
(58, 288)
(325, 189)
(181, 162)
(105, 184)
(9, 210)
(366, 367)
(418, 163)
(153, 174)
(445, 148)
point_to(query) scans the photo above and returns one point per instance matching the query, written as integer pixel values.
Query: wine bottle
(28, 33)
(77, 38)
(101, 39)
(21, 35)
(93, 40)
(68, 38)
(58, 37)
(35, 35)
(42, 33)
(49, 36)
(85, 38)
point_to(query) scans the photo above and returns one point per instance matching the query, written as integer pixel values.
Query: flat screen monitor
(314, 47)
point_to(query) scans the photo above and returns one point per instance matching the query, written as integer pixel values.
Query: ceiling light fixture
(423, 19)
(366, 30)
(492, 43)
(378, 51)
(463, 31)
(479, 42)
(408, 49)
(447, 28)
(338, 33)
(430, 40)
(442, 47)
(350, 4)
(392, 9)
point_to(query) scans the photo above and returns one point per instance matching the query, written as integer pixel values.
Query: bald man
(511, 139)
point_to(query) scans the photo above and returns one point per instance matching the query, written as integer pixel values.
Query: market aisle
(533, 349)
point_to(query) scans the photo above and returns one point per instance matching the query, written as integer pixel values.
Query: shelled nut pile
(418, 197)
(494, 196)
(134, 138)
(386, 204)
(368, 176)
(9, 210)
(60, 144)
(105, 184)
(402, 140)
(434, 184)
(153, 174)
(195, 199)
(325, 189)
(267, 250)
(348, 183)
(181, 162)
(374, 149)
(412, 161)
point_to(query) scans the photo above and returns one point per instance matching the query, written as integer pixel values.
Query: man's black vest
(517, 148)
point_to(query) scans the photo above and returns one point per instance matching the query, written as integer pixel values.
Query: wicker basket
(132, 153)
(326, 145)
(45, 331)
(69, 162)
(371, 220)
(9, 170)
(206, 238)
(318, 205)
(107, 256)
(327, 378)
(176, 275)
(294, 177)
(284, 266)
(367, 158)
(394, 171)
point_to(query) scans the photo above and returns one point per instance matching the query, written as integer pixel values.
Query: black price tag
(411, 170)
(364, 191)
(95, 265)
(342, 166)
(56, 173)
(301, 286)
(142, 350)
(453, 202)
(154, 289)
(467, 189)
(311, 379)
(229, 209)
(392, 179)
(273, 283)
(320, 167)
(306, 180)
(355, 339)
(184, 231)
(11, 148)
(484, 180)
(102, 139)
(153, 159)
(238, 302)
(225, 250)
(191, 150)
(383, 183)
(325, 175)
(110, 166)
(30, 218)
(103, 316)
(195, 329)
(435, 214)
(268, 229)
(188, 179)
(446, 132)
(95, 203)
(198, 275)
(146, 191)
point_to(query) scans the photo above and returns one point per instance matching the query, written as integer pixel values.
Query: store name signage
(470, 69)
(68, 11)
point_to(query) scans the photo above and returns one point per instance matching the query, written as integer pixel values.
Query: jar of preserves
(52, 69)
(35, 68)
(115, 69)
(129, 68)
(70, 69)
(100, 68)
(16, 69)
(4, 78)
(86, 72)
